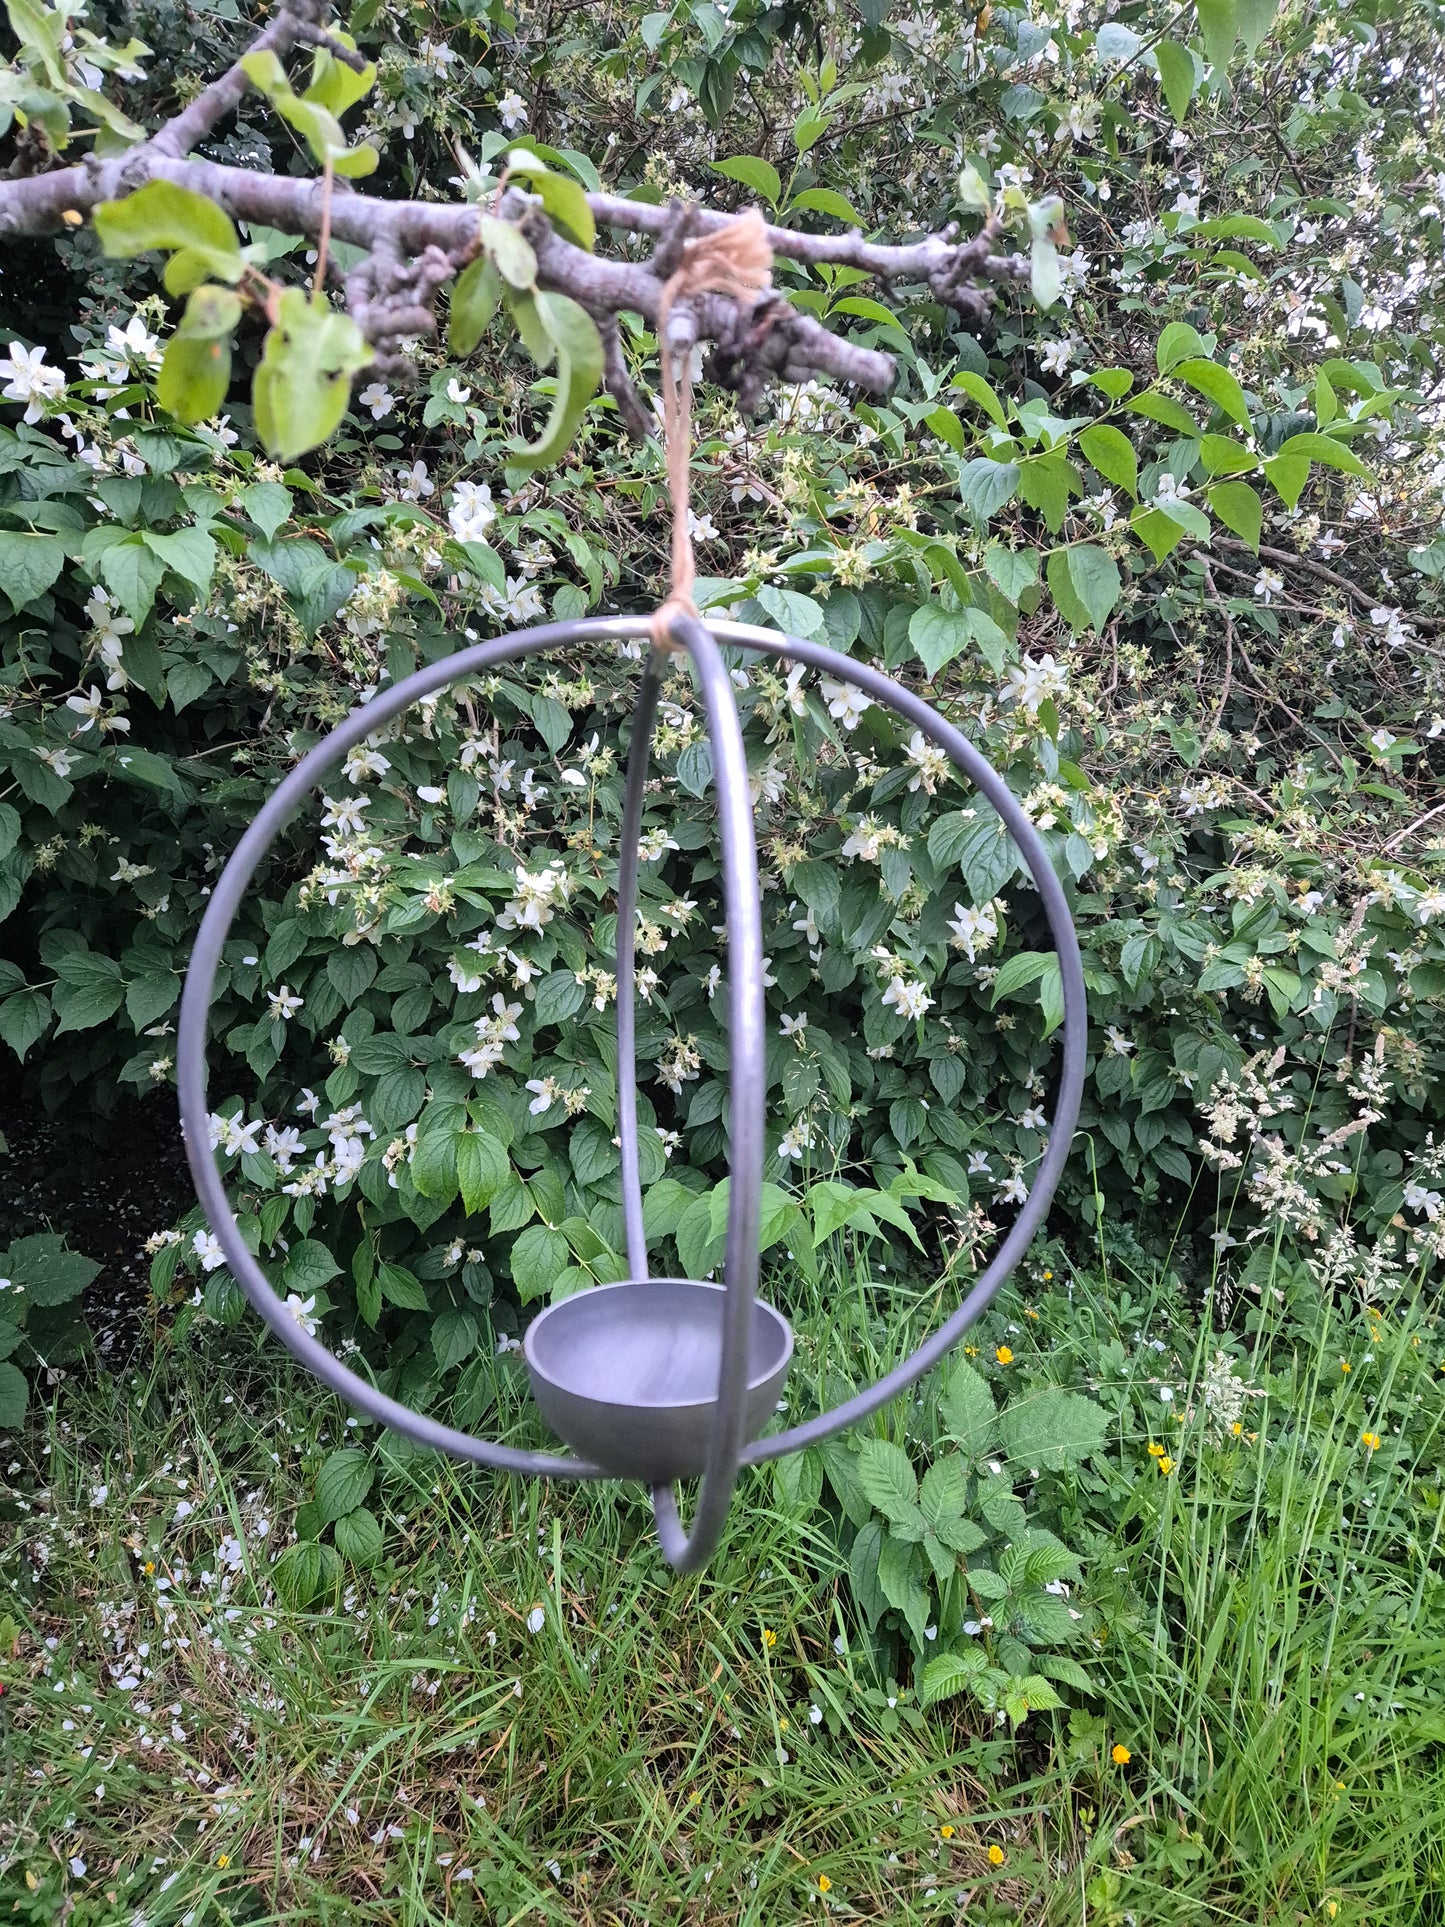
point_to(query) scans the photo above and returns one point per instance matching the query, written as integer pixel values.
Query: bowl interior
(654, 1342)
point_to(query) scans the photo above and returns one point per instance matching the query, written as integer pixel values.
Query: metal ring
(294, 787)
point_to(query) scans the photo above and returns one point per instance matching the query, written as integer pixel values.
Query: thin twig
(323, 240)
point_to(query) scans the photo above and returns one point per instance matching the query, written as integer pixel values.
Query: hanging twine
(734, 260)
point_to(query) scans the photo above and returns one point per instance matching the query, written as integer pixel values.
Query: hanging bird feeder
(652, 1379)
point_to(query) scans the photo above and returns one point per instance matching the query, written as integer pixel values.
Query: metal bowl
(627, 1374)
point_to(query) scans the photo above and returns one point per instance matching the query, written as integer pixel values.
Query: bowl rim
(538, 1370)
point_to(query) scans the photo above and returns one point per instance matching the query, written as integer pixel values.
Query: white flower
(28, 381)
(845, 702)
(701, 528)
(1417, 1198)
(815, 1715)
(793, 689)
(793, 1026)
(973, 930)
(363, 761)
(414, 483)
(1169, 488)
(1033, 682)
(1033, 1118)
(512, 110)
(930, 765)
(344, 814)
(1119, 1044)
(796, 1140)
(301, 1310)
(536, 1619)
(471, 513)
(285, 1003)
(308, 1103)
(1013, 1190)
(545, 1092)
(1055, 356)
(910, 1000)
(1381, 740)
(456, 392)
(284, 1146)
(207, 1247)
(1267, 585)
(465, 979)
(379, 399)
(134, 343)
(431, 793)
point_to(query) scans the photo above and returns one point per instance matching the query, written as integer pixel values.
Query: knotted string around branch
(735, 260)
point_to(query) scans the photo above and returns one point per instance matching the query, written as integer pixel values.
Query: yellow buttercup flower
(1004, 1355)
(1155, 1451)
(825, 1885)
(223, 1860)
(1121, 1755)
(1236, 1428)
(1166, 1464)
(1372, 1439)
(995, 1856)
(1345, 1365)
(770, 1638)
(945, 1833)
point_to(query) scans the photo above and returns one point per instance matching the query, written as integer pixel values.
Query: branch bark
(413, 247)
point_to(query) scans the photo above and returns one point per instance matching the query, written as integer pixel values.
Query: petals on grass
(1121, 1755)
(1003, 1355)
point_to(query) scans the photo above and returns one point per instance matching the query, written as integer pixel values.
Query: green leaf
(335, 85)
(28, 565)
(1011, 570)
(309, 1266)
(539, 1257)
(825, 200)
(268, 504)
(14, 1395)
(944, 1494)
(453, 1337)
(23, 1018)
(342, 1483)
(189, 553)
(761, 176)
(402, 1288)
(305, 1572)
(981, 391)
(476, 295)
(937, 635)
(1046, 482)
(482, 1169)
(889, 1481)
(509, 248)
(1219, 385)
(164, 215)
(148, 998)
(1176, 76)
(1160, 408)
(50, 1274)
(359, 1537)
(318, 127)
(1049, 1429)
(1085, 585)
(1112, 454)
(1218, 29)
(1239, 508)
(968, 1411)
(1176, 343)
(564, 200)
(303, 381)
(949, 1674)
(578, 345)
(985, 486)
(1222, 455)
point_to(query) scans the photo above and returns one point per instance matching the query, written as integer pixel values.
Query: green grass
(1265, 1622)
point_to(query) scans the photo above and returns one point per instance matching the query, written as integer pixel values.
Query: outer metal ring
(731, 777)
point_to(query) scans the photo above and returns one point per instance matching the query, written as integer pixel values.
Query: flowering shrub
(1156, 538)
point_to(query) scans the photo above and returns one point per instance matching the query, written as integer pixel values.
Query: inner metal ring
(480, 657)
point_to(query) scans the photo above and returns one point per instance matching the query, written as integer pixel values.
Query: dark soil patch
(106, 1184)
